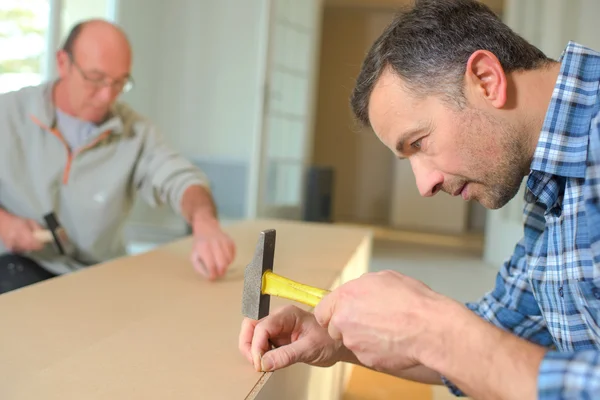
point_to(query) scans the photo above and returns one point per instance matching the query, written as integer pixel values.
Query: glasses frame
(99, 83)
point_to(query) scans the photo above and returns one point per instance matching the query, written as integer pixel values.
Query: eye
(416, 144)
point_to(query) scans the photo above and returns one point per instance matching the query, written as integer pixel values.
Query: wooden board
(148, 327)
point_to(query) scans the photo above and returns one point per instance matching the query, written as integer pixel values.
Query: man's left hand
(213, 250)
(388, 320)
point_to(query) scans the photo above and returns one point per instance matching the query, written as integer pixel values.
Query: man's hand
(386, 319)
(17, 234)
(213, 249)
(297, 337)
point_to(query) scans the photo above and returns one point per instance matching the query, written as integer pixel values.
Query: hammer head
(255, 305)
(61, 241)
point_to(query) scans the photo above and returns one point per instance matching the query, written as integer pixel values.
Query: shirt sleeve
(162, 175)
(511, 305)
(569, 375)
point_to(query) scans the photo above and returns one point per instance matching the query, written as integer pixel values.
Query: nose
(429, 181)
(107, 94)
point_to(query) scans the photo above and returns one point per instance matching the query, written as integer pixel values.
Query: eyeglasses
(100, 80)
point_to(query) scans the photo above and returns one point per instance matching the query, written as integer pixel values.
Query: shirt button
(596, 293)
(560, 291)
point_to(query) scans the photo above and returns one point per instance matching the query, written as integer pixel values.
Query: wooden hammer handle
(44, 235)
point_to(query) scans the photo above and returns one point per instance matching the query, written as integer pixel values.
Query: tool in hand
(56, 235)
(260, 282)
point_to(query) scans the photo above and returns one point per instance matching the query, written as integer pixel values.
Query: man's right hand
(297, 337)
(17, 234)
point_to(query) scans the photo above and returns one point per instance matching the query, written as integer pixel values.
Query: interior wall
(197, 67)
(363, 165)
(145, 37)
(197, 73)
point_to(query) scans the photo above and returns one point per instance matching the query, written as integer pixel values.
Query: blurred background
(255, 92)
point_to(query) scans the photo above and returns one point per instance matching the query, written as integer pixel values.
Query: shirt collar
(563, 144)
(44, 111)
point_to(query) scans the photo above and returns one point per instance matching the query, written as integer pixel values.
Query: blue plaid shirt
(548, 291)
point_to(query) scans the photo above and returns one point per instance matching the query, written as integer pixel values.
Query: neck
(533, 98)
(61, 99)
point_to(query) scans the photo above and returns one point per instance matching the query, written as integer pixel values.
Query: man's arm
(489, 363)
(483, 360)
(163, 176)
(512, 308)
(198, 207)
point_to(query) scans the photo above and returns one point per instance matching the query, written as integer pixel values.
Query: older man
(474, 108)
(69, 147)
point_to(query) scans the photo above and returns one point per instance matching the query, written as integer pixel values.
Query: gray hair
(429, 45)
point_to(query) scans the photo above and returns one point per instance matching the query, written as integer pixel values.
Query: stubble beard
(502, 181)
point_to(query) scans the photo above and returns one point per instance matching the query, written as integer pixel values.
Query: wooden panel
(147, 327)
(366, 384)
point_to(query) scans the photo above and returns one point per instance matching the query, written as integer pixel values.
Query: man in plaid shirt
(475, 109)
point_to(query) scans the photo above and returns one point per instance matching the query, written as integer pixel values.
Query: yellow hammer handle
(277, 285)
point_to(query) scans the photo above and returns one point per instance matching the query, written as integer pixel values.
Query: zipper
(70, 154)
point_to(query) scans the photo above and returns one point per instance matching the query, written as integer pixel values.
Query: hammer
(260, 282)
(55, 234)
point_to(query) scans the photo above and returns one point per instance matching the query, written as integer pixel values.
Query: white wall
(146, 40)
(74, 11)
(197, 69)
(196, 66)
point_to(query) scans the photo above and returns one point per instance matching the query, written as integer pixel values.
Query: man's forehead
(391, 101)
(103, 62)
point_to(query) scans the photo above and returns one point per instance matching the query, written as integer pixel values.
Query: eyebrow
(408, 134)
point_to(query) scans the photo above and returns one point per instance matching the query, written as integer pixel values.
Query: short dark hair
(74, 33)
(428, 47)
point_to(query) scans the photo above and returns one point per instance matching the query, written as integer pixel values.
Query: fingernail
(266, 364)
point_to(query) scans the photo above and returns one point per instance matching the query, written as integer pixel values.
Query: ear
(485, 77)
(63, 63)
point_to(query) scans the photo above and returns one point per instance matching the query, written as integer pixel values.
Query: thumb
(33, 225)
(284, 356)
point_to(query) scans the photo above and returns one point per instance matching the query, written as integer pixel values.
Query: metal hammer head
(61, 241)
(255, 304)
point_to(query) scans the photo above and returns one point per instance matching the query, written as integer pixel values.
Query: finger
(227, 251)
(245, 338)
(31, 242)
(232, 249)
(334, 331)
(287, 355)
(325, 309)
(207, 257)
(219, 257)
(198, 265)
(204, 261)
(27, 241)
(279, 325)
(33, 225)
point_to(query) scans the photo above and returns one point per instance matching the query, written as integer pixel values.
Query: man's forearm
(482, 360)
(197, 206)
(419, 373)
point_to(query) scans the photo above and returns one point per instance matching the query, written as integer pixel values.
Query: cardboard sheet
(147, 326)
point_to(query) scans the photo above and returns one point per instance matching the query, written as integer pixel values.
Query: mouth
(459, 191)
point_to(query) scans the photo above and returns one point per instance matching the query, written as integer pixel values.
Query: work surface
(148, 326)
